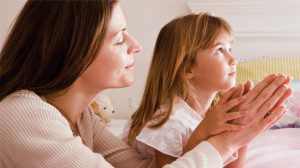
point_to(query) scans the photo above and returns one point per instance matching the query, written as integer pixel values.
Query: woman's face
(215, 68)
(114, 65)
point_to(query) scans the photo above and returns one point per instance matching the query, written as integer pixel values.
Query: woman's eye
(230, 50)
(120, 42)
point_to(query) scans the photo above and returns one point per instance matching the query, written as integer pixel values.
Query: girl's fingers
(232, 127)
(232, 103)
(238, 92)
(269, 120)
(225, 97)
(235, 115)
(247, 87)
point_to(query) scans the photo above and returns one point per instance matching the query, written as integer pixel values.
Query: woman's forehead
(117, 22)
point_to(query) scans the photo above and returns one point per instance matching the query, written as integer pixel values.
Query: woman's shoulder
(23, 100)
(25, 106)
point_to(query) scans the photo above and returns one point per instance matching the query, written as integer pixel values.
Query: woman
(58, 56)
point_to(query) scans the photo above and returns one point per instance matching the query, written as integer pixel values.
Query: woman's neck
(72, 101)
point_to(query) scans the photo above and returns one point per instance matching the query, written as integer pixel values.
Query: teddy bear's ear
(105, 109)
(95, 105)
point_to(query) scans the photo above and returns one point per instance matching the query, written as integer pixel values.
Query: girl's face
(113, 67)
(215, 68)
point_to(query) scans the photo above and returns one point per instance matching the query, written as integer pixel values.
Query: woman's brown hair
(51, 43)
(174, 55)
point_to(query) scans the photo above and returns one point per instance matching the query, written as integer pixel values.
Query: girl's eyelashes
(220, 50)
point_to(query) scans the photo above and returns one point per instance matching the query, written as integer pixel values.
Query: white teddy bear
(103, 107)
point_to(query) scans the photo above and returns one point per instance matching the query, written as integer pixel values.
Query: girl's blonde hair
(174, 55)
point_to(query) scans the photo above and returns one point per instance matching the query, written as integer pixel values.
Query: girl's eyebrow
(218, 43)
(221, 43)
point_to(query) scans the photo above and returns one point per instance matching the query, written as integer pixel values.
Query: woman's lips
(130, 66)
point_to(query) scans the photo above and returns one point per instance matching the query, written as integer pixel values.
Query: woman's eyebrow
(122, 30)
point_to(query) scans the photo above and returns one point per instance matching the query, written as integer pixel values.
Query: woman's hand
(270, 98)
(263, 98)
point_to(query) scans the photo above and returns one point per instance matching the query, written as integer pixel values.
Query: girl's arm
(216, 119)
(162, 159)
(239, 163)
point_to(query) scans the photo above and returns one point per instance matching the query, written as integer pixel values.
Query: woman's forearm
(222, 146)
(195, 139)
(239, 163)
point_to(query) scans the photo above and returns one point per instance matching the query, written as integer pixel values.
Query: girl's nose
(232, 60)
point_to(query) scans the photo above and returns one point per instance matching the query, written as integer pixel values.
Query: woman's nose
(134, 47)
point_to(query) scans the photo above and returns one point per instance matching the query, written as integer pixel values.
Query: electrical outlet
(133, 102)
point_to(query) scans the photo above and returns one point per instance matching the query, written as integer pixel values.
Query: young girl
(191, 64)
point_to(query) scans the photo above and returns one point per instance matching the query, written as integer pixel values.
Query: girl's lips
(232, 74)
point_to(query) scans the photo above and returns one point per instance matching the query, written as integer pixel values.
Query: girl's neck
(204, 98)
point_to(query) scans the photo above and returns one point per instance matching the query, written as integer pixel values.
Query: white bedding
(275, 149)
(116, 126)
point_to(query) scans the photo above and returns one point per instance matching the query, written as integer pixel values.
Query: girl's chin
(229, 85)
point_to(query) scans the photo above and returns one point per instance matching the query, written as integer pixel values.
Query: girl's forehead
(224, 38)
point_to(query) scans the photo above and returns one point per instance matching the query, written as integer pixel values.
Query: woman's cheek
(122, 56)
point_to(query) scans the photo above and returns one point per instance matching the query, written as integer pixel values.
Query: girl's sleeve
(119, 154)
(168, 139)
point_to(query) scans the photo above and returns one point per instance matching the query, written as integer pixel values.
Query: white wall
(262, 27)
(8, 12)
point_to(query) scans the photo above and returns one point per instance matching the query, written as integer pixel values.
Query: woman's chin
(128, 81)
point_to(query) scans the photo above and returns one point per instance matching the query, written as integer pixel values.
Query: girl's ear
(189, 73)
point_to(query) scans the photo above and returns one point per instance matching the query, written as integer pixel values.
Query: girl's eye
(220, 51)
(230, 50)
